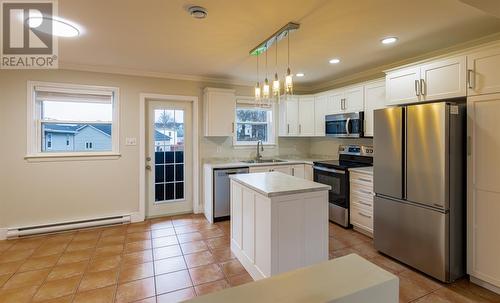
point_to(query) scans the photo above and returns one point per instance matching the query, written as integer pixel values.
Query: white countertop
(365, 170)
(230, 162)
(346, 279)
(272, 184)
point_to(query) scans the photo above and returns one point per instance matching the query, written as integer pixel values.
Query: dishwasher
(222, 188)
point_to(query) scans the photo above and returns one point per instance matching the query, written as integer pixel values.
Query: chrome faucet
(259, 144)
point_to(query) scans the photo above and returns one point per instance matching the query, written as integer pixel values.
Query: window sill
(56, 157)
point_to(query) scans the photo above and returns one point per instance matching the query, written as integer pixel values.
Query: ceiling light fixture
(300, 74)
(263, 47)
(60, 27)
(198, 12)
(334, 61)
(389, 40)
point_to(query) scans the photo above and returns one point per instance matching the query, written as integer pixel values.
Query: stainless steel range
(336, 174)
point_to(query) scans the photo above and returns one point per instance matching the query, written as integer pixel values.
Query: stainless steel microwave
(348, 125)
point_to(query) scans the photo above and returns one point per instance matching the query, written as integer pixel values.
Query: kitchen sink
(263, 161)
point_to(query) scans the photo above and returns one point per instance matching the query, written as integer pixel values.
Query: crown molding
(144, 73)
(377, 72)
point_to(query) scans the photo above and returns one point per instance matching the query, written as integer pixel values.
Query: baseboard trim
(3, 233)
(485, 284)
(136, 217)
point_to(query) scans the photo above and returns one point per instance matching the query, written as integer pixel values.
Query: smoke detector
(198, 12)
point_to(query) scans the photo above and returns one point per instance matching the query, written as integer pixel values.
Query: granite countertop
(346, 279)
(365, 170)
(272, 184)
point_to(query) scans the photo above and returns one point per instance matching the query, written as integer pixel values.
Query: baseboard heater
(65, 226)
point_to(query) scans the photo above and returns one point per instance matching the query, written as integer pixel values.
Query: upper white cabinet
(320, 111)
(374, 99)
(353, 99)
(289, 116)
(297, 116)
(437, 80)
(306, 116)
(218, 112)
(483, 75)
(334, 102)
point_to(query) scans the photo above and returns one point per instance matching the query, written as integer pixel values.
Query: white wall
(43, 192)
(328, 147)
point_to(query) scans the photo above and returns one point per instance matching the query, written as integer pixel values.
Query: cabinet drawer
(362, 202)
(361, 178)
(361, 189)
(362, 218)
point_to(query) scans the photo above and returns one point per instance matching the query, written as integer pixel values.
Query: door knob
(148, 167)
(148, 159)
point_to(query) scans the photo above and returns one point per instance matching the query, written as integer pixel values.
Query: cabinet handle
(364, 203)
(300, 128)
(423, 87)
(343, 104)
(364, 192)
(288, 128)
(365, 180)
(417, 89)
(364, 215)
(233, 127)
(293, 171)
(470, 75)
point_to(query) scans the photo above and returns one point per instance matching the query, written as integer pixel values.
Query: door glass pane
(169, 155)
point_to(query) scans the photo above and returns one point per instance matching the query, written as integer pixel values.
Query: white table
(278, 222)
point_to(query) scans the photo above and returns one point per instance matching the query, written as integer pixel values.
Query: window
(71, 120)
(254, 124)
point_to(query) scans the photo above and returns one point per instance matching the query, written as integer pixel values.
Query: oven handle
(330, 170)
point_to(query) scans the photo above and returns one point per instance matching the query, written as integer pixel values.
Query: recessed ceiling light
(198, 12)
(389, 40)
(300, 74)
(60, 26)
(334, 61)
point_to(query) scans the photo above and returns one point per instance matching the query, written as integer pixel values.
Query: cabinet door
(334, 102)
(484, 74)
(374, 99)
(298, 171)
(483, 201)
(444, 79)
(289, 117)
(401, 86)
(306, 116)
(219, 104)
(320, 110)
(308, 172)
(354, 99)
(286, 169)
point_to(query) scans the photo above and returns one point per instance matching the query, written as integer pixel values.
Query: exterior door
(169, 154)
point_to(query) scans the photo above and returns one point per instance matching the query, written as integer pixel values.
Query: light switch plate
(131, 141)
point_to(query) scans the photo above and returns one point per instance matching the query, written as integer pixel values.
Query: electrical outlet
(130, 141)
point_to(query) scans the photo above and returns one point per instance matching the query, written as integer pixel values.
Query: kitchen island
(278, 222)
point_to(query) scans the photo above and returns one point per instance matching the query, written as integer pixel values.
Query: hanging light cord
(288, 40)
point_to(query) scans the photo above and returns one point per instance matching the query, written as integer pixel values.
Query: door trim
(144, 97)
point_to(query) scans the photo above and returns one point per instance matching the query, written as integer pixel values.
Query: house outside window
(254, 124)
(72, 120)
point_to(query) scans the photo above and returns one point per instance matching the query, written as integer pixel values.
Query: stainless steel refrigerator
(419, 184)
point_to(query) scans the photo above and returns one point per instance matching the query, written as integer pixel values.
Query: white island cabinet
(278, 222)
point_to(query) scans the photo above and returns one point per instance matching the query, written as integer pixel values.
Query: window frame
(34, 122)
(248, 103)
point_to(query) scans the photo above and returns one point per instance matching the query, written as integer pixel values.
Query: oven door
(348, 125)
(338, 181)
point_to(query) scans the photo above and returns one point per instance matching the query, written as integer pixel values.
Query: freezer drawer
(413, 235)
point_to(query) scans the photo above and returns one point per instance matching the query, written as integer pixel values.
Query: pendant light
(288, 77)
(265, 88)
(257, 86)
(276, 82)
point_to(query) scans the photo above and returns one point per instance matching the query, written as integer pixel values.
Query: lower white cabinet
(483, 190)
(374, 99)
(361, 201)
(297, 170)
(272, 235)
(308, 172)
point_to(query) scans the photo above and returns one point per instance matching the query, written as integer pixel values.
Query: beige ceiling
(159, 36)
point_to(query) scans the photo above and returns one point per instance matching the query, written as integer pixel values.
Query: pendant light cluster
(264, 95)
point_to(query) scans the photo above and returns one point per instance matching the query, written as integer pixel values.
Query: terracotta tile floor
(169, 260)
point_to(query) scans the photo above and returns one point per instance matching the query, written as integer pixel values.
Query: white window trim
(34, 148)
(246, 102)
